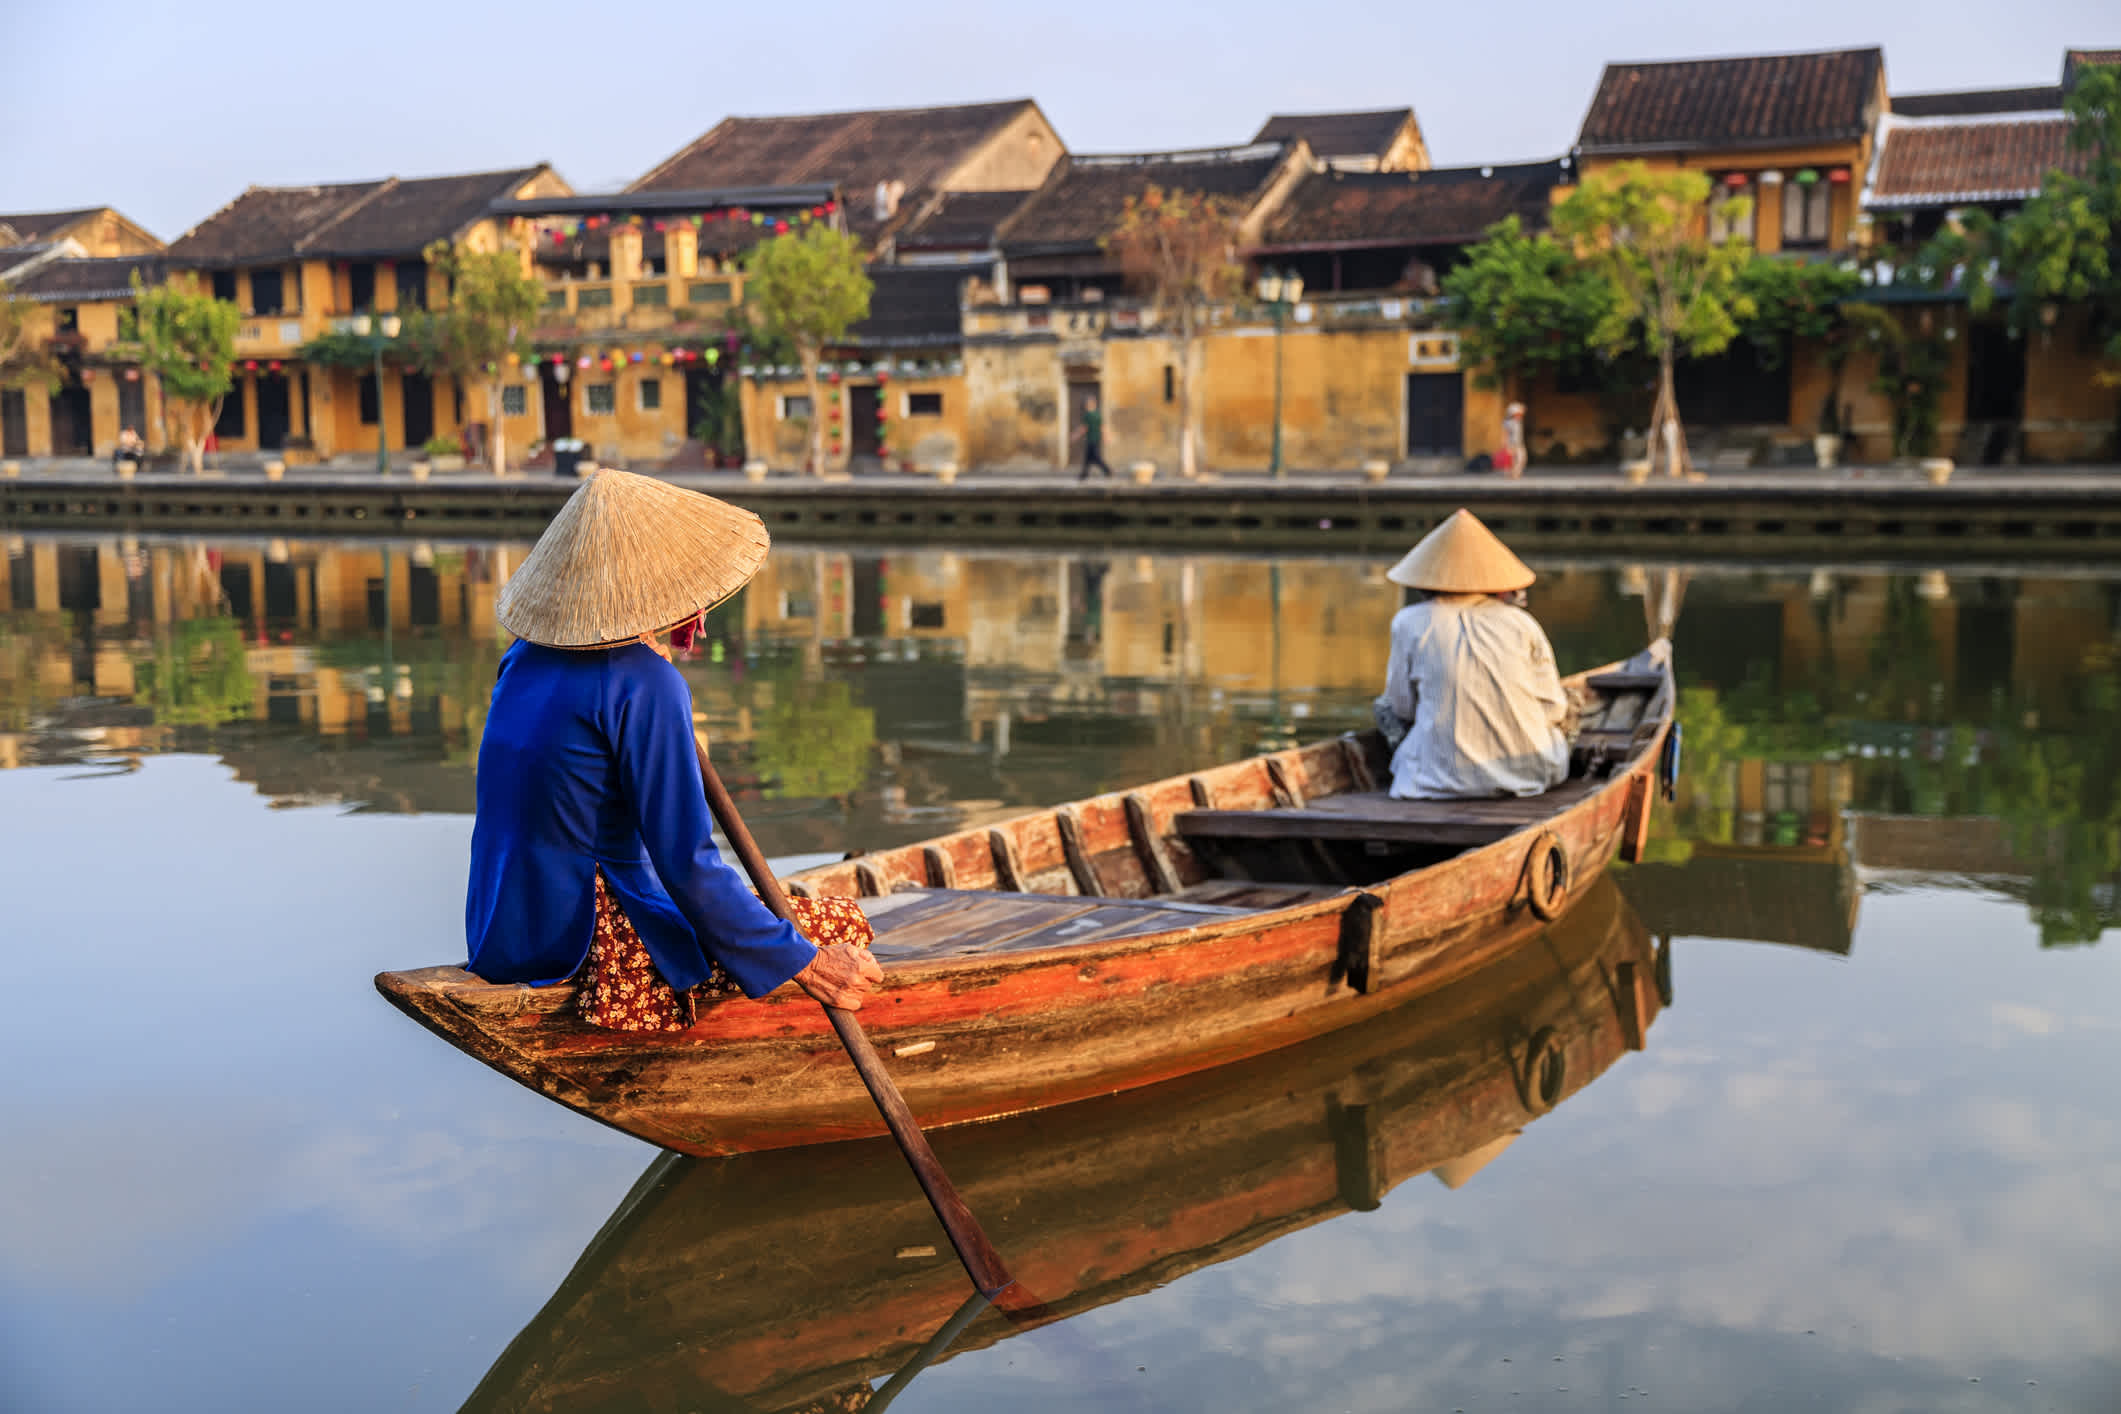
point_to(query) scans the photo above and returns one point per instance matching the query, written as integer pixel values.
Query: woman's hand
(840, 975)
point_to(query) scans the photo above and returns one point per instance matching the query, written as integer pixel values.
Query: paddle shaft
(982, 1263)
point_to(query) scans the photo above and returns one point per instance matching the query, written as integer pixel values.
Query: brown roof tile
(404, 216)
(1082, 200)
(961, 220)
(65, 281)
(33, 226)
(1338, 134)
(1759, 101)
(1946, 164)
(266, 223)
(389, 217)
(1440, 206)
(917, 146)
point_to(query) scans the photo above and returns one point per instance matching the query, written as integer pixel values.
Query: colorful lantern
(1735, 179)
(1838, 175)
(1806, 177)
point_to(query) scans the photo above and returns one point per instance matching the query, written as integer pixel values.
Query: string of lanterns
(564, 231)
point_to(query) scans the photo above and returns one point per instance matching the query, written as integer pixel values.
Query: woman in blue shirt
(592, 824)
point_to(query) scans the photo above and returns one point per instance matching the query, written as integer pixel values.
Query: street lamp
(1278, 290)
(386, 328)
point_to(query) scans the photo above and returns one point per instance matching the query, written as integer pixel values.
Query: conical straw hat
(1461, 556)
(629, 555)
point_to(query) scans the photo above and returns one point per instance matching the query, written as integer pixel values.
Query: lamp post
(385, 328)
(1278, 290)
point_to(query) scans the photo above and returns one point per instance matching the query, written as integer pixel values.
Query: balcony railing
(650, 302)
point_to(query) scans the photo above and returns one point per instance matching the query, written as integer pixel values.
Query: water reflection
(794, 1279)
(873, 699)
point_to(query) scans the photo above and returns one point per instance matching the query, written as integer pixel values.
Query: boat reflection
(793, 1279)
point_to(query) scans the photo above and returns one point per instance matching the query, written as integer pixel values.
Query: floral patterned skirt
(622, 991)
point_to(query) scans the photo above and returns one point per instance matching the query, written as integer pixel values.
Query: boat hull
(977, 1035)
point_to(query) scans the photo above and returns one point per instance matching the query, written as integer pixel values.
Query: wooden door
(132, 402)
(559, 412)
(863, 435)
(416, 392)
(14, 423)
(73, 435)
(1436, 415)
(275, 412)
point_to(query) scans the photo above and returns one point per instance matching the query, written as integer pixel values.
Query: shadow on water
(794, 1279)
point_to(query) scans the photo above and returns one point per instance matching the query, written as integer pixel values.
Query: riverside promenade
(1890, 513)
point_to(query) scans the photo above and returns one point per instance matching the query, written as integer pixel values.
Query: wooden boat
(1110, 943)
(790, 1280)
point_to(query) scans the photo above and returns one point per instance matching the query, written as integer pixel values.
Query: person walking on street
(1092, 431)
(1513, 440)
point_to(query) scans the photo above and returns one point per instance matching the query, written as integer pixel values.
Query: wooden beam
(871, 879)
(941, 873)
(1288, 791)
(1203, 793)
(1351, 751)
(1008, 870)
(1156, 863)
(1071, 834)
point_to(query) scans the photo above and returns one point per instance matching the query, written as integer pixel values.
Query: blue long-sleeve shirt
(588, 763)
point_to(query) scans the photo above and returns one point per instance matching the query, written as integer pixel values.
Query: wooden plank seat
(1374, 815)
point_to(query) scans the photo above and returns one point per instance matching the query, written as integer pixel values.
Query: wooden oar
(982, 1263)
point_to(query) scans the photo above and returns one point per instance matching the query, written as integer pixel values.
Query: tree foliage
(491, 308)
(1179, 249)
(808, 288)
(1523, 305)
(1674, 289)
(25, 359)
(188, 341)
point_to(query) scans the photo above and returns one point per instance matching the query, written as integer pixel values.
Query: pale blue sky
(169, 111)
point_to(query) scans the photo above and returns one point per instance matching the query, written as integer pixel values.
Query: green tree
(1525, 305)
(25, 358)
(188, 341)
(1802, 301)
(198, 676)
(813, 739)
(809, 288)
(491, 307)
(1675, 289)
(1180, 250)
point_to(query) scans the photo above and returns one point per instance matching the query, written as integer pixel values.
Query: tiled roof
(67, 281)
(347, 218)
(1978, 102)
(917, 146)
(1948, 164)
(1082, 200)
(266, 223)
(1338, 134)
(33, 226)
(12, 256)
(403, 216)
(1442, 205)
(962, 220)
(1764, 100)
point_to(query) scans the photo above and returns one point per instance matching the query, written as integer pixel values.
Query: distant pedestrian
(1092, 431)
(1513, 454)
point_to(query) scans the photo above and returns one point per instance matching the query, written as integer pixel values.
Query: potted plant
(298, 451)
(1826, 444)
(445, 453)
(1376, 469)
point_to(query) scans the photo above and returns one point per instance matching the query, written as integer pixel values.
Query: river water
(1867, 1158)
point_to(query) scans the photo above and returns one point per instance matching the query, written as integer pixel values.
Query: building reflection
(878, 697)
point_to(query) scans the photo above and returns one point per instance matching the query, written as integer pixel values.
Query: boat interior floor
(927, 923)
(1375, 816)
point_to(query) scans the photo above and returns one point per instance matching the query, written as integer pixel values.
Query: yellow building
(76, 268)
(2011, 394)
(301, 262)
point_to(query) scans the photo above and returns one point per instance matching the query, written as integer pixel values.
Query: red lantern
(88, 375)
(250, 365)
(659, 225)
(1838, 175)
(883, 375)
(274, 365)
(1736, 179)
(834, 377)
